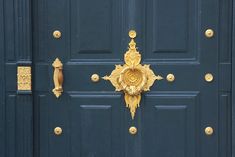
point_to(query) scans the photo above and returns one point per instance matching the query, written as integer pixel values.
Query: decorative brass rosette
(132, 78)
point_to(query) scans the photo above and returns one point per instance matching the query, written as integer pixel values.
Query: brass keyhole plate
(24, 82)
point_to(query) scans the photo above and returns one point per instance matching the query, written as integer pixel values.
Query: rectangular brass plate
(24, 78)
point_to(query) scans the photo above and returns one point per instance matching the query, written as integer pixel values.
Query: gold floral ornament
(132, 78)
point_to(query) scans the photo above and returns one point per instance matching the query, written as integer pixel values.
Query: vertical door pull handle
(58, 77)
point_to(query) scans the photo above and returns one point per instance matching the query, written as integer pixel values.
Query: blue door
(131, 78)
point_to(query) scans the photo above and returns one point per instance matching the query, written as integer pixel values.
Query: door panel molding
(16, 107)
(2, 82)
(233, 80)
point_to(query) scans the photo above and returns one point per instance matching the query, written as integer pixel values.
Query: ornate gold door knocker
(132, 78)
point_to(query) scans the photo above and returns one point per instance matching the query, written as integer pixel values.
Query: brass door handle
(132, 78)
(58, 77)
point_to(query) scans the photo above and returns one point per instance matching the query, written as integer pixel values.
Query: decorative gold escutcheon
(209, 131)
(58, 77)
(95, 78)
(132, 78)
(209, 33)
(209, 77)
(24, 82)
(57, 34)
(58, 131)
(132, 130)
(170, 77)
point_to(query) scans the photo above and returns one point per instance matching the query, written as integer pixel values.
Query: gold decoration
(95, 77)
(58, 77)
(209, 33)
(58, 131)
(209, 77)
(132, 130)
(209, 131)
(170, 77)
(132, 78)
(132, 34)
(56, 34)
(24, 78)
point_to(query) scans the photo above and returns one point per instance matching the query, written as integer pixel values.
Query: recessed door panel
(89, 126)
(95, 29)
(170, 127)
(172, 29)
(97, 125)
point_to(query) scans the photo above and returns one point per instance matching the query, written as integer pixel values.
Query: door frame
(233, 80)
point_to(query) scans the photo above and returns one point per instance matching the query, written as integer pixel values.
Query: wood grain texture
(2, 82)
(233, 80)
(16, 107)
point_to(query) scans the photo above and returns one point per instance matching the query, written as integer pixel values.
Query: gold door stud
(57, 34)
(132, 130)
(58, 131)
(209, 131)
(209, 33)
(95, 78)
(170, 77)
(209, 77)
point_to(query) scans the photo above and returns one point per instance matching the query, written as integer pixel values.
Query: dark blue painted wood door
(172, 117)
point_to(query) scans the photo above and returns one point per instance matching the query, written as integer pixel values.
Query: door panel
(97, 125)
(170, 127)
(95, 34)
(90, 125)
(172, 30)
(172, 116)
